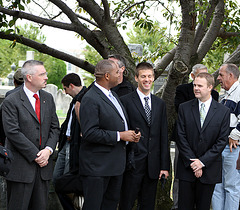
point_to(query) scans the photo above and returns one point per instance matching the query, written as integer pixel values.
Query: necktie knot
(146, 99)
(36, 96)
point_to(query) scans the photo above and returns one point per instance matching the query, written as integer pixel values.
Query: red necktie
(37, 110)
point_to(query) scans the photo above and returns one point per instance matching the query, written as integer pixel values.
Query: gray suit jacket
(22, 130)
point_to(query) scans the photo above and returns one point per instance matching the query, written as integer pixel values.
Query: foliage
(13, 53)
(56, 71)
(91, 55)
(155, 41)
(8, 55)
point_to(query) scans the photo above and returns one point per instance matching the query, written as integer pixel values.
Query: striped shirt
(231, 99)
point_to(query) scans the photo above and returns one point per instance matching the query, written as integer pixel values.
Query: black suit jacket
(100, 152)
(75, 134)
(185, 93)
(206, 143)
(153, 144)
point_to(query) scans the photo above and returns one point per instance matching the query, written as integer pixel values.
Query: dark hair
(71, 78)
(121, 60)
(208, 77)
(143, 66)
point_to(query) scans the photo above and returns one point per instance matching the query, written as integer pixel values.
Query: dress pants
(194, 194)
(176, 181)
(62, 167)
(28, 196)
(226, 194)
(138, 185)
(101, 193)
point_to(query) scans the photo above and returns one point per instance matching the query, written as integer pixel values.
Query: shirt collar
(232, 88)
(207, 103)
(141, 95)
(104, 90)
(28, 92)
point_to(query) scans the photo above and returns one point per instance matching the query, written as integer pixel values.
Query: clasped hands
(130, 136)
(196, 166)
(42, 157)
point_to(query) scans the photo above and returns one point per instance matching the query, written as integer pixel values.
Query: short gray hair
(232, 68)
(198, 66)
(27, 67)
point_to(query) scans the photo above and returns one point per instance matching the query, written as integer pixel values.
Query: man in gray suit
(31, 126)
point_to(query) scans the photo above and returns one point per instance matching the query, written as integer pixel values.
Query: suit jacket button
(150, 139)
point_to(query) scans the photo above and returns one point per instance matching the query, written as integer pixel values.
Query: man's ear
(29, 77)
(107, 76)
(136, 78)
(193, 76)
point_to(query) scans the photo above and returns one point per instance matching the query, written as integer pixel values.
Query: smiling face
(145, 79)
(201, 89)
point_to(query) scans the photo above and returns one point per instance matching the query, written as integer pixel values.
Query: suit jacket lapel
(139, 106)
(196, 114)
(106, 99)
(43, 104)
(210, 114)
(27, 104)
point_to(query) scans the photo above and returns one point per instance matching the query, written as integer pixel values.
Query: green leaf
(12, 22)
(8, 31)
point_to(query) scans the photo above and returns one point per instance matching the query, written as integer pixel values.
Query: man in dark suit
(203, 129)
(151, 153)
(183, 94)
(103, 148)
(69, 139)
(31, 126)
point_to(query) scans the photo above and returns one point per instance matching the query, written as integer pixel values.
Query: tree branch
(161, 65)
(212, 32)
(225, 35)
(106, 10)
(37, 19)
(50, 51)
(87, 20)
(201, 27)
(126, 9)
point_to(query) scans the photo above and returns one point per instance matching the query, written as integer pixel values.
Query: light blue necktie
(202, 114)
(119, 108)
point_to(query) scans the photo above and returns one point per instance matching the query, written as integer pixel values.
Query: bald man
(105, 132)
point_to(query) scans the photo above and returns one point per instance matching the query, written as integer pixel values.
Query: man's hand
(163, 172)
(198, 173)
(196, 165)
(130, 136)
(233, 143)
(42, 157)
